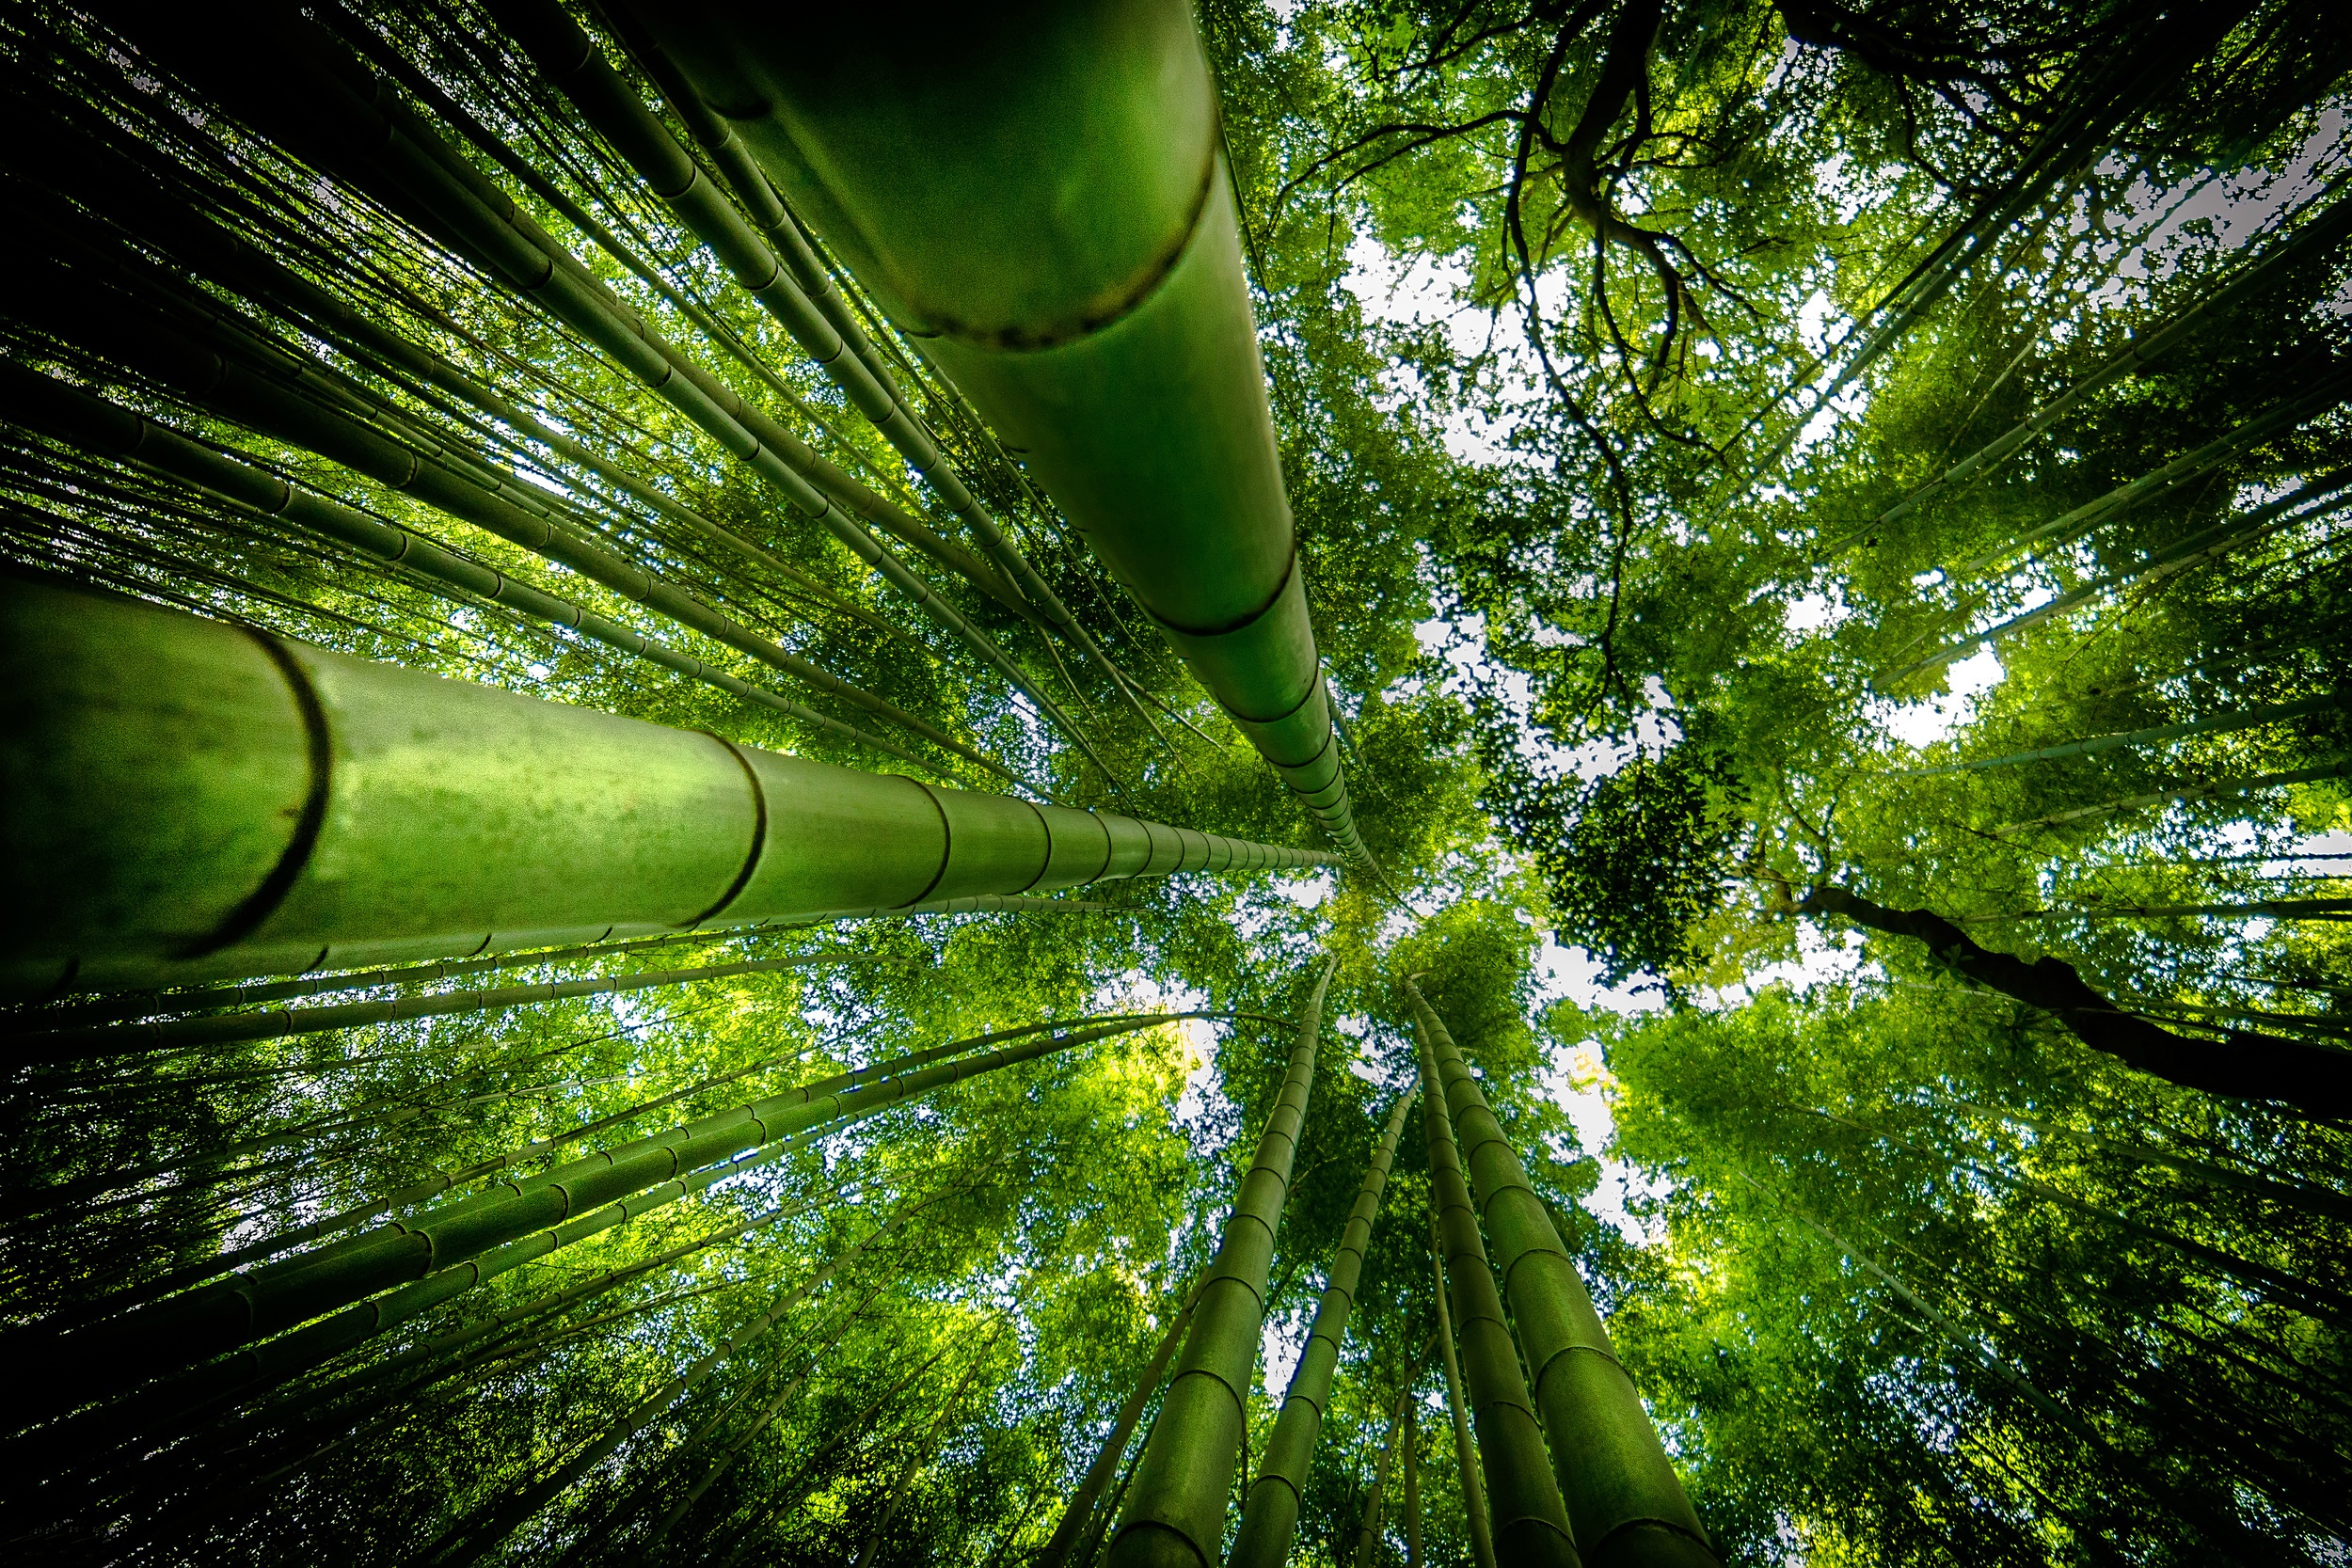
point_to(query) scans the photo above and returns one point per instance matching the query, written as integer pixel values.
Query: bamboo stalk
(280, 1023)
(451, 1249)
(1465, 1460)
(258, 402)
(199, 802)
(483, 221)
(566, 53)
(1183, 1483)
(1528, 1523)
(1079, 1510)
(1621, 1493)
(1156, 438)
(1269, 1518)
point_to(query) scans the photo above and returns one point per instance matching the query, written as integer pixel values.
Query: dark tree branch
(2246, 1066)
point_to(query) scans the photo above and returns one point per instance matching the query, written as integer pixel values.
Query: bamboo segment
(1080, 1508)
(430, 1257)
(800, 298)
(1465, 1460)
(1047, 207)
(46, 403)
(1529, 1523)
(346, 118)
(231, 389)
(278, 1023)
(1621, 1492)
(1176, 1509)
(1269, 1517)
(191, 801)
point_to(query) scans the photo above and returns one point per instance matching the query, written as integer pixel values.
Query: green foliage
(1630, 571)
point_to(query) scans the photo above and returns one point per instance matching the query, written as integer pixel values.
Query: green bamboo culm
(1177, 1504)
(1269, 1517)
(1528, 1523)
(573, 61)
(1466, 1462)
(1100, 318)
(280, 1023)
(192, 800)
(448, 1249)
(1079, 1510)
(1622, 1494)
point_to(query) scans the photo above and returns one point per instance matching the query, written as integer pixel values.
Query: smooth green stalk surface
(1528, 1523)
(1098, 317)
(192, 800)
(1269, 1518)
(1622, 1494)
(1183, 1484)
(1079, 1510)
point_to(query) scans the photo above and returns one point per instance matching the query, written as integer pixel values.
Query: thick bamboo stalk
(1466, 1461)
(238, 392)
(1620, 1490)
(1269, 1517)
(569, 57)
(336, 110)
(1045, 204)
(1183, 1484)
(1079, 1510)
(1528, 1523)
(452, 1249)
(192, 800)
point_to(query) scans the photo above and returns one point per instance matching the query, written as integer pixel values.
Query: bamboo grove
(1121, 784)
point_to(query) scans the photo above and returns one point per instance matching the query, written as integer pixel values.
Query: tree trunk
(1184, 1485)
(2246, 1066)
